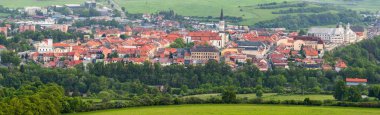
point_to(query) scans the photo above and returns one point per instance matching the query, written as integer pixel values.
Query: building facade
(338, 35)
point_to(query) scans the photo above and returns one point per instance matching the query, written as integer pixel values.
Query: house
(108, 33)
(308, 41)
(310, 52)
(62, 48)
(360, 31)
(279, 60)
(202, 54)
(355, 81)
(258, 49)
(60, 27)
(23, 28)
(338, 35)
(4, 30)
(90, 4)
(262, 65)
(340, 65)
(44, 46)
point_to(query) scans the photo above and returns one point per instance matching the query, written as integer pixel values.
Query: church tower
(222, 23)
(222, 29)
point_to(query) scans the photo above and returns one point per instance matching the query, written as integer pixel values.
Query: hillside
(23, 3)
(247, 9)
(362, 58)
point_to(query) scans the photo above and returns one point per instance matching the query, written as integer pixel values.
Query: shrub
(194, 100)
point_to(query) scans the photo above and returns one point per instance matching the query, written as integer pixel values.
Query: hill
(363, 59)
(235, 109)
(247, 9)
(23, 3)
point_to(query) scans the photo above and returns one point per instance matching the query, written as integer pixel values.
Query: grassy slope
(212, 7)
(23, 3)
(239, 109)
(272, 96)
(204, 8)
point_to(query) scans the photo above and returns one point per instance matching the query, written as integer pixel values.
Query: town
(156, 39)
(87, 56)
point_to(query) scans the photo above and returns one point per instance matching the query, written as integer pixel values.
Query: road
(117, 7)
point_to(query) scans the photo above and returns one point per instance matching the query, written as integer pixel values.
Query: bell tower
(222, 23)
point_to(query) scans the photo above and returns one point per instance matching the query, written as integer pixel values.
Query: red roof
(2, 47)
(341, 64)
(356, 80)
(310, 51)
(204, 36)
(61, 45)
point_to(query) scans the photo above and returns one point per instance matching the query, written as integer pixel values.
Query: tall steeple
(221, 15)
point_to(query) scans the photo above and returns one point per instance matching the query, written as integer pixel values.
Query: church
(218, 38)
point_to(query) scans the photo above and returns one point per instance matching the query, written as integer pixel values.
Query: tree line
(294, 22)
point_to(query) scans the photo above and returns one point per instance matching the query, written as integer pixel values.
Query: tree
(354, 94)
(259, 91)
(105, 96)
(229, 95)
(374, 91)
(123, 9)
(340, 91)
(302, 32)
(10, 57)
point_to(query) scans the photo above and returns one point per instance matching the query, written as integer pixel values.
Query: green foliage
(10, 57)
(229, 95)
(354, 94)
(362, 59)
(179, 43)
(44, 99)
(374, 91)
(340, 91)
(294, 22)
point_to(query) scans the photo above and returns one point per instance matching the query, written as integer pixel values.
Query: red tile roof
(356, 80)
(341, 64)
(61, 45)
(310, 51)
(2, 47)
(204, 36)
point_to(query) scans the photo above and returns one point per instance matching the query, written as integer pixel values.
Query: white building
(45, 46)
(338, 35)
(32, 11)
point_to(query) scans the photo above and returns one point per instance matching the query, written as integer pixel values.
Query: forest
(305, 21)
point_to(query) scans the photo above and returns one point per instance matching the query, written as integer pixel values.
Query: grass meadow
(236, 109)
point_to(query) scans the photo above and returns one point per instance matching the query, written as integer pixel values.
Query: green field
(249, 12)
(270, 96)
(23, 3)
(238, 109)
(204, 8)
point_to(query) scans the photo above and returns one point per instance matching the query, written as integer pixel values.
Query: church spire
(221, 15)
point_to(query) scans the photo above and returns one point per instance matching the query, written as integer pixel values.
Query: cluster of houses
(234, 45)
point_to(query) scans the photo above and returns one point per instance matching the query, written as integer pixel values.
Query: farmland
(23, 3)
(238, 109)
(247, 9)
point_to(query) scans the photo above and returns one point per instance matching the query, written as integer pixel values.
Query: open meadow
(236, 109)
